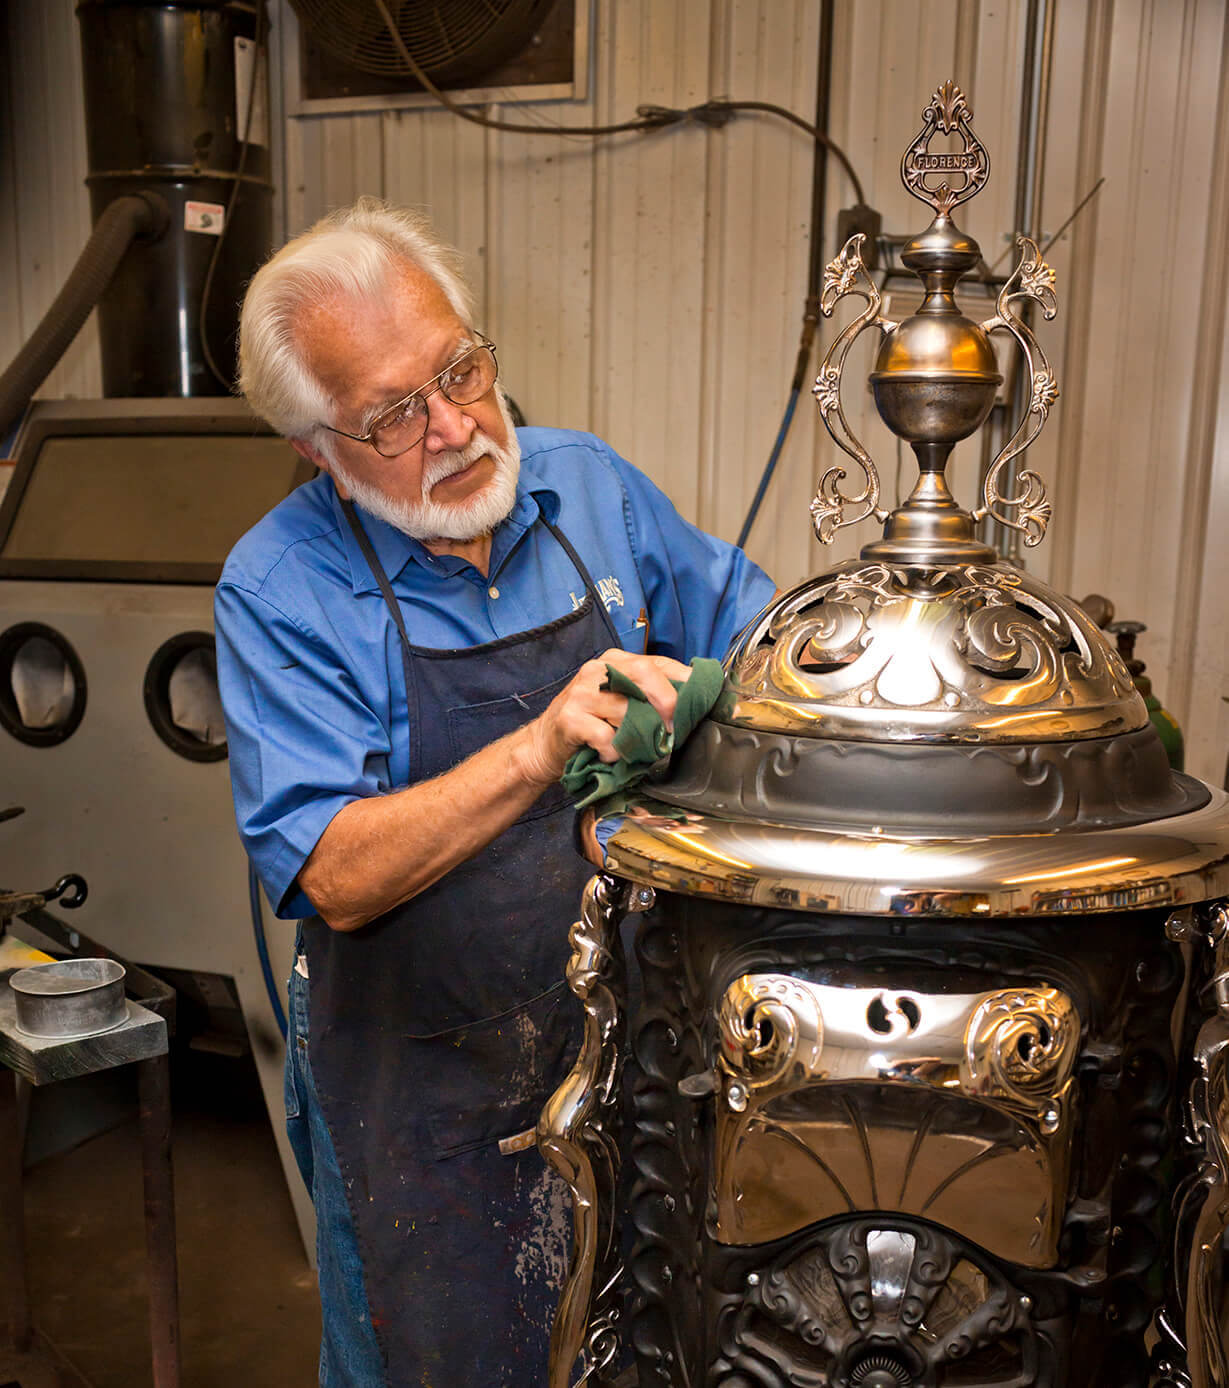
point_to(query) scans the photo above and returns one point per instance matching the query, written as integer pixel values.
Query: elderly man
(410, 648)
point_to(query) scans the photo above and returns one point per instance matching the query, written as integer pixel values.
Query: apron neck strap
(394, 607)
(394, 611)
(566, 545)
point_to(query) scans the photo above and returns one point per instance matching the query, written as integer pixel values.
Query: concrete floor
(248, 1306)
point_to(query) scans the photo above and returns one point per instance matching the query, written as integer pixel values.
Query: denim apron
(439, 1030)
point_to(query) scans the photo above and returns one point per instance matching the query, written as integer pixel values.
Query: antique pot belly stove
(929, 1081)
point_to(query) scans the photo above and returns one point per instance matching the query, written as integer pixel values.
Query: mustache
(459, 459)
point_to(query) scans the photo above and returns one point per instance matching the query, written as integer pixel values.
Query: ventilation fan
(455, 42)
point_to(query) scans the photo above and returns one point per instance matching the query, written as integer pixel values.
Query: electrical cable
(713, 114)
(232, 201)
(1079, 207)
(770, 467)
(815, 263)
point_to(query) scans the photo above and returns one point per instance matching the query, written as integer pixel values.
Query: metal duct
(170, 92)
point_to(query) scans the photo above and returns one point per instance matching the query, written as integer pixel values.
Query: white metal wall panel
(538, 263)
(442, 165)
(1199, 660)
(1205, 710)
(1140, 346)
(51, 210)
(652, 198)
(329, 163)
(651, 287)
(759, 248)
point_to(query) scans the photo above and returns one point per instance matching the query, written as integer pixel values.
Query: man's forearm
(381, 851)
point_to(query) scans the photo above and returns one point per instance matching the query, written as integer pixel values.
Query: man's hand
(382, 850)
(584, 714)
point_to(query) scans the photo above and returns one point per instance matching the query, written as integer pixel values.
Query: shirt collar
(534, 498)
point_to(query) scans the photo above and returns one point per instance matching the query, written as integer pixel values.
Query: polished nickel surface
(863, 1306)
(955, 652)
(880, 1152)
(578, 1135)
(837, 1099)
(1203, 1208)
(1172, 861)
(936, 374)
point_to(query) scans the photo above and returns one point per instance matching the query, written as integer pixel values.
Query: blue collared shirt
(309, 663)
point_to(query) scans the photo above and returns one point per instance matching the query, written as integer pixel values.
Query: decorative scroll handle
(578, 1134)
(1031, 279)
(847, 274)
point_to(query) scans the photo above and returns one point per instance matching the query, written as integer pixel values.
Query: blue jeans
(349, 1354)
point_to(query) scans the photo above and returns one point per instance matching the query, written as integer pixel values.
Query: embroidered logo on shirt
(608, 589)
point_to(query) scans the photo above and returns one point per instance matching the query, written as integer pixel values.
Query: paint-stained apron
(439, 1030)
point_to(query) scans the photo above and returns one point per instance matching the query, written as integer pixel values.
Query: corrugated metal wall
(651, 287)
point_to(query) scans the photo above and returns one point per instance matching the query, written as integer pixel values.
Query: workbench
(29, 1359)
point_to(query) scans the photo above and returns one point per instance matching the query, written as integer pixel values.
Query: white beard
(429, 520)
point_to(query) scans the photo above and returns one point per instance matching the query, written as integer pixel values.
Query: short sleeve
(302, 741)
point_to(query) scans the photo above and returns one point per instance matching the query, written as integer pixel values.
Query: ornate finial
(935, 373)
(947, 114)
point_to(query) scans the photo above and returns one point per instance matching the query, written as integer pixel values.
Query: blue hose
(770, 466)
(262, 949)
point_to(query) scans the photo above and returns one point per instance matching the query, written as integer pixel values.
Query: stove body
(929, 1067)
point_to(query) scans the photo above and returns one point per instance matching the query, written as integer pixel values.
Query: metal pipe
(1041, 120)
(1024, 142)
(815, 267)
(1030, 175)
(141, 216)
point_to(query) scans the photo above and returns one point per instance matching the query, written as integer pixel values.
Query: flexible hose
(815, 265)
(137, 215)
(769, 468)
(262, 949)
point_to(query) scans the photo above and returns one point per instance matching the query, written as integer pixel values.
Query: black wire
(714, 114)
(227, 384)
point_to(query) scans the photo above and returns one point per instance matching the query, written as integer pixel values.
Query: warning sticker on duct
(204, 216)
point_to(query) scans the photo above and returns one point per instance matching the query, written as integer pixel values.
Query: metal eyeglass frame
(424, 393)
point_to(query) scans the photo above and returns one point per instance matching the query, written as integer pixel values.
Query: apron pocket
(490, 1079)
(473, 726)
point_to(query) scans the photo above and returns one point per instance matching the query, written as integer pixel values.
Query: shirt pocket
(489, 1080)
(630, 629)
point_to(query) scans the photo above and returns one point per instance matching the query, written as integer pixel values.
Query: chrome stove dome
(967, 653)
(927, 729)
(931, 1052)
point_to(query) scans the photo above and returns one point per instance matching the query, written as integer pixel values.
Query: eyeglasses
(397, 429)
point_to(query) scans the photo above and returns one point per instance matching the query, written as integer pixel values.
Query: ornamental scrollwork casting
(860, 1304)
(578, 1135)
(1020, 1045)
(1203, 1202)
(1032, 279)
(969, 641)
(770, 1029)
(948, 114)
(847, 274)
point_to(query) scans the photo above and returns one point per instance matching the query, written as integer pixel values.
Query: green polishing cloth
(642, 742)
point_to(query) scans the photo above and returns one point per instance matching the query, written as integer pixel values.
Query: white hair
(355, 252)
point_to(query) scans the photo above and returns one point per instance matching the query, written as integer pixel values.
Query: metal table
(29, 1360)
